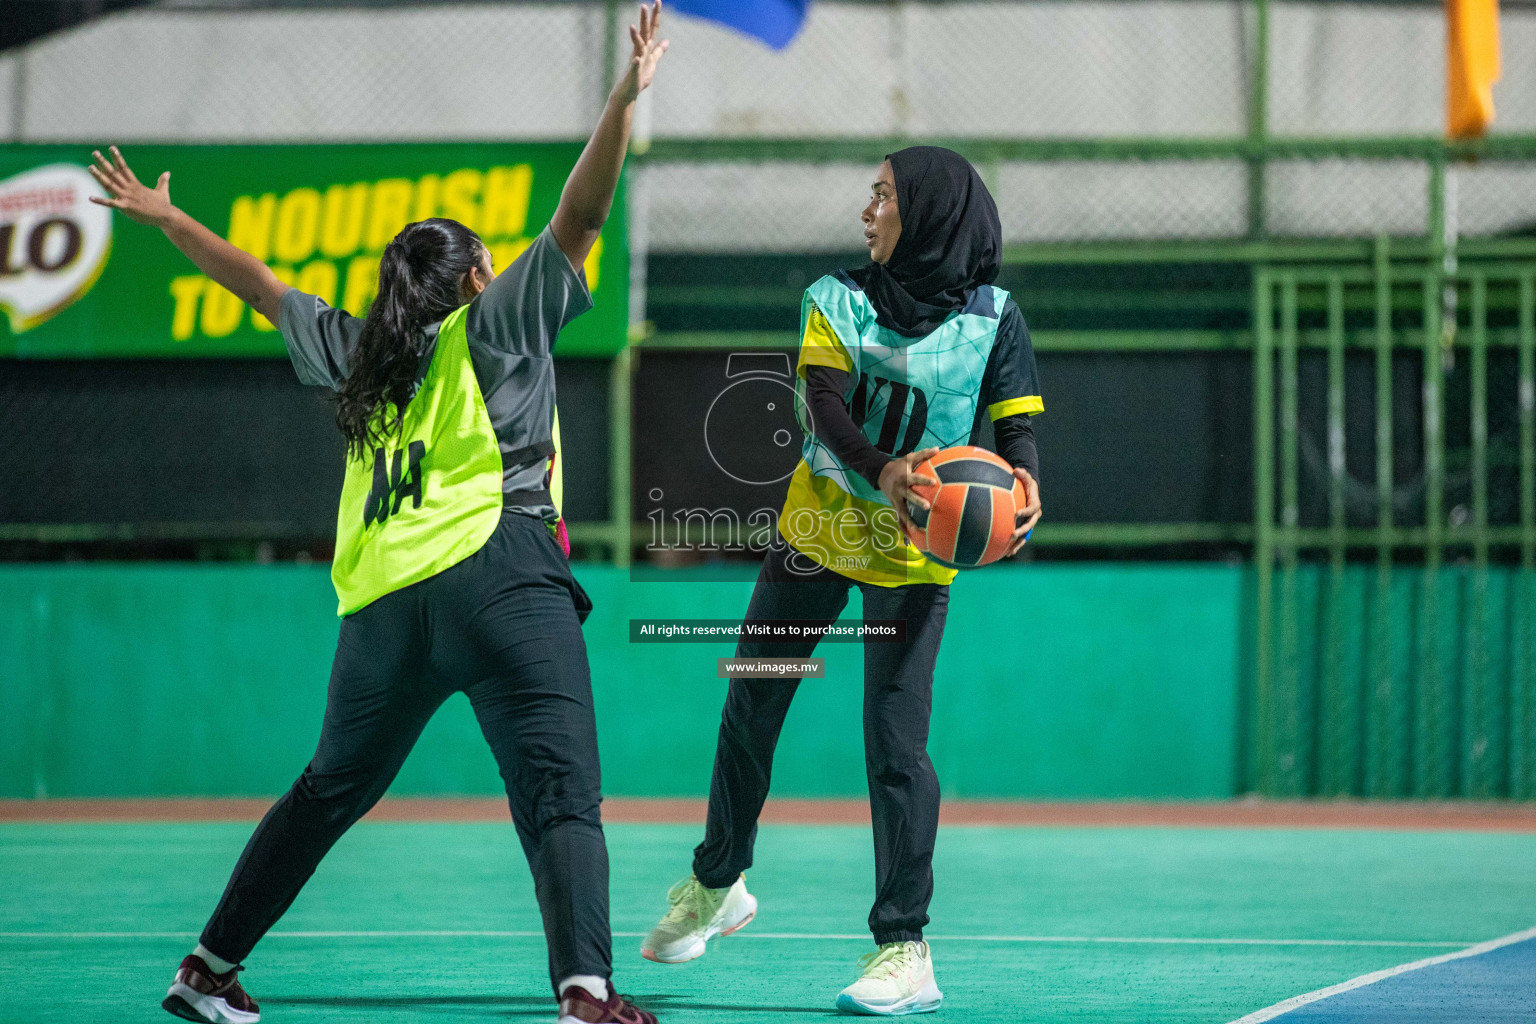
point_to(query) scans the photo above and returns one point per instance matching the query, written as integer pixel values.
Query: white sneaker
(898, 979)
(697, 915)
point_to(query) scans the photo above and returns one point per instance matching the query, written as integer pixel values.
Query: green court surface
(408, 922)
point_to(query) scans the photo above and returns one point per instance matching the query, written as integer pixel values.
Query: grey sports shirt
(511, 327)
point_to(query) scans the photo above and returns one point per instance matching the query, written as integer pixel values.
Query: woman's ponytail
(420, 275)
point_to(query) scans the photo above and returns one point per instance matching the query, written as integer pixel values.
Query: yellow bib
(433, 496)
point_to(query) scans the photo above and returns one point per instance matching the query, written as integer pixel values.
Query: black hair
(420, 275)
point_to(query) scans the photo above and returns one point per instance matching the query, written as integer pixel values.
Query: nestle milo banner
(79, 280)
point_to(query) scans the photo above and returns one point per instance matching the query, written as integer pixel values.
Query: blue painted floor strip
(1492, 983)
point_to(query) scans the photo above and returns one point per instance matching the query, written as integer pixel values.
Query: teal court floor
(408, 923)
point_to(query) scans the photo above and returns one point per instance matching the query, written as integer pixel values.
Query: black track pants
(898, 692)
(502, 626)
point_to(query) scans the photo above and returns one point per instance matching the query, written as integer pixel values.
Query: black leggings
(898, 699)
(503, 626)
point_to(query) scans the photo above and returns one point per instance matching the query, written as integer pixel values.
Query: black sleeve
(1016, 443)
(833, 426)
(1011, 379)
(1011, 386)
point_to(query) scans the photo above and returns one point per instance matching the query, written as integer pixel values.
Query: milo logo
(53, 242)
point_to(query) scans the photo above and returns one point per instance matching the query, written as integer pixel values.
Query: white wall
(1045, 68)
(451, 72)
(1352, 69)
(1050, 68)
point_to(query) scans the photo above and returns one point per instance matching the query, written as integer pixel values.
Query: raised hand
(146, 205)
(588, 193)
(240, 272)
(647, 53)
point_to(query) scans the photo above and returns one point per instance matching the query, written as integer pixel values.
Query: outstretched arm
(240, 272)
(588, 194)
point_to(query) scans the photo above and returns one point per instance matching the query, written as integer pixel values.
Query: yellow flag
(1471, 66)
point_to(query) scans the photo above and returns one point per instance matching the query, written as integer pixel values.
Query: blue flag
(775, 22)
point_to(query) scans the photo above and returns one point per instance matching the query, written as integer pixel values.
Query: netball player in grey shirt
(500, 621)
(511, 329)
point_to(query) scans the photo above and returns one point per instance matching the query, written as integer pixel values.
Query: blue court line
(1491, 983)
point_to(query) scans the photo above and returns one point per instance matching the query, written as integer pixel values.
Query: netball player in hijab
(448, 566)
(912, 353)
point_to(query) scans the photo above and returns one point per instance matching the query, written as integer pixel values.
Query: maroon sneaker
(199, 994)
(578, 1006)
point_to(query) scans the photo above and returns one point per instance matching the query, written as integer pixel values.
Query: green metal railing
(1396, 658)
(986, 152)
(1257, 149)
(1447, 719)
(1366, 261)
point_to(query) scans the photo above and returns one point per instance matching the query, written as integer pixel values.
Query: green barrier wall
(1427, 690)
(1054, 681)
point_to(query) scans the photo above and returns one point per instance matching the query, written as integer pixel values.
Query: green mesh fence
(1196, 91)
(1393, 546)
(1414, 677)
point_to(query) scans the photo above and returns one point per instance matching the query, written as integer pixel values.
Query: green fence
(1339, 711)
(1388, 652)
(1441, 161)
(1440, 703)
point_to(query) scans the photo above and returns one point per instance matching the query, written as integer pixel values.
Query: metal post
(1430, 755)
(1481, 750)
(621, 370)
(1336, 749)
(1383, 778)
(1523, 706)
(1450, 210)
(1528, 422)
(1292, 763)
(1263, 773)
(620, 390)
(1258, 120)
(1429, 699)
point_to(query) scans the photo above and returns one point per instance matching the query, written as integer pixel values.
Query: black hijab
(951, 242)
